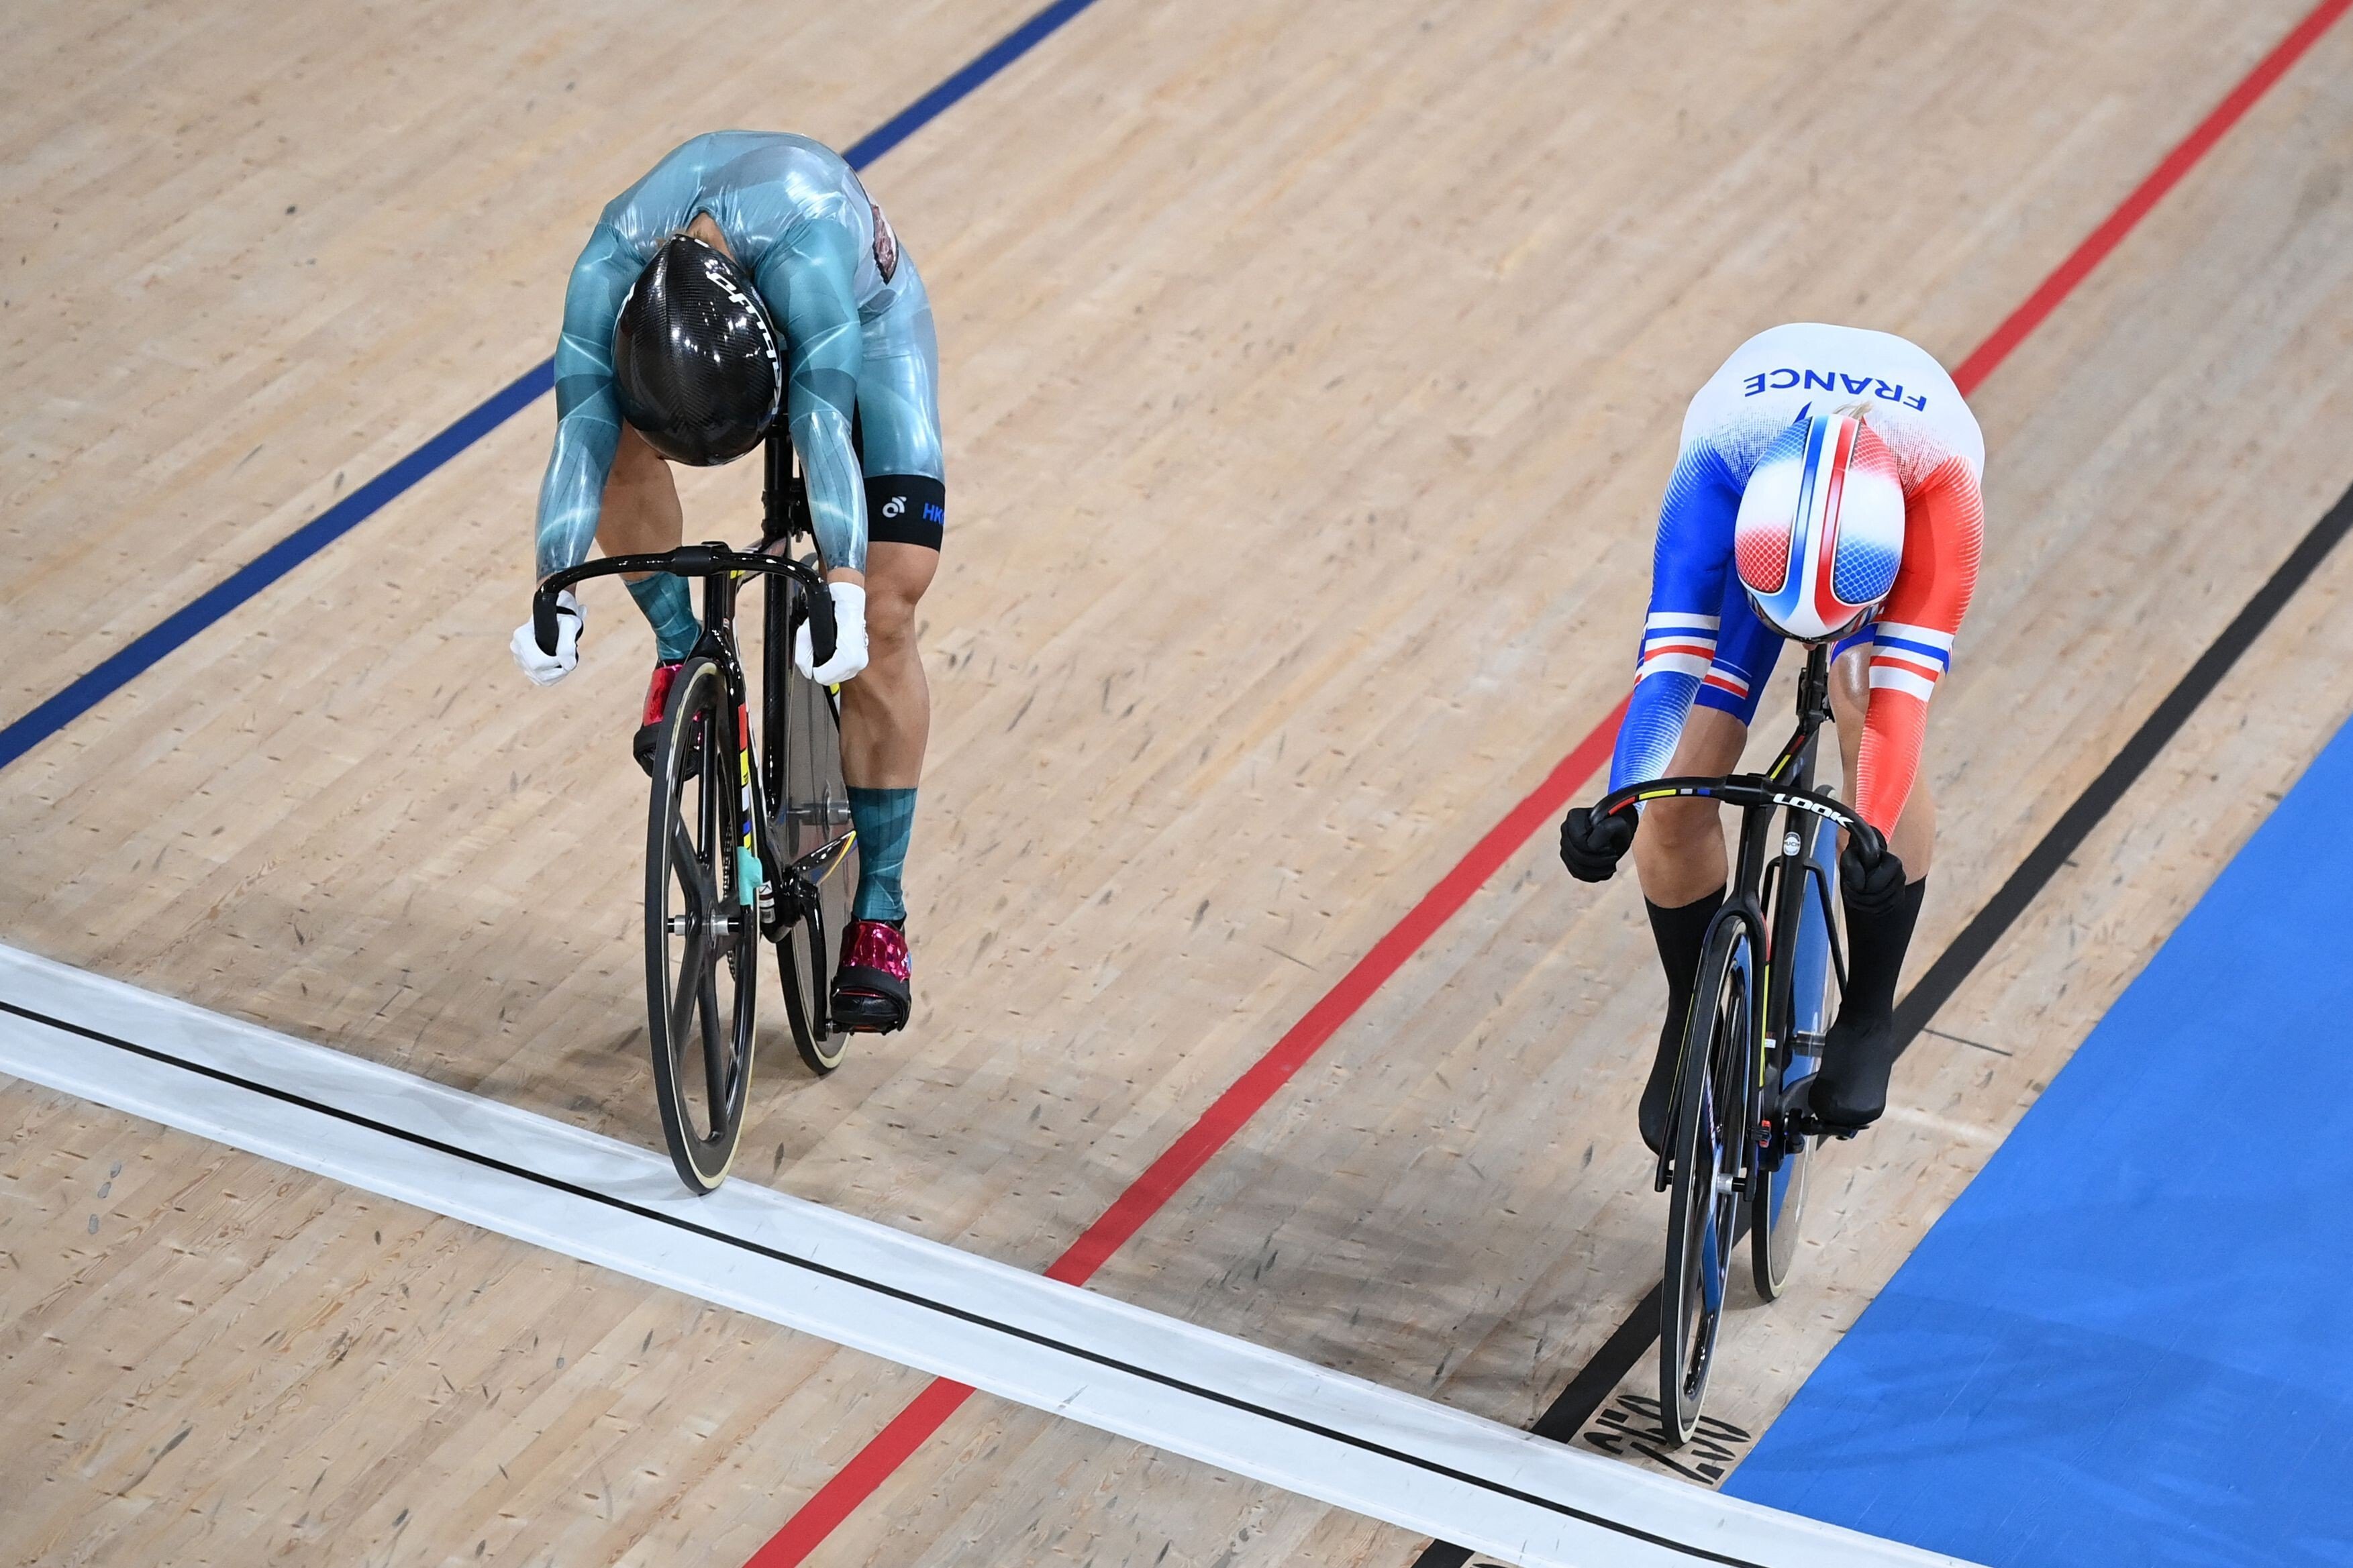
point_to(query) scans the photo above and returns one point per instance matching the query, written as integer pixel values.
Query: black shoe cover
(1655, 1111)
(1850, 1091)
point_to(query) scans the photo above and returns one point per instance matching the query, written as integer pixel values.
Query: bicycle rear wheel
(818, 847)
(1705, 1146)
(1783, 1177)
(702, 942)
(1784, 1158)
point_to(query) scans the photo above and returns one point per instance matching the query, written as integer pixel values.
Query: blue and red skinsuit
(1701, 640)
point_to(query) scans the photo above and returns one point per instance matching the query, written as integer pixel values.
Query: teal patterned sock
(885, 819)
(670, 610)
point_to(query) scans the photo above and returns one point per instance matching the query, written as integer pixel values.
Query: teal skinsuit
(857, 344)
(861, 367)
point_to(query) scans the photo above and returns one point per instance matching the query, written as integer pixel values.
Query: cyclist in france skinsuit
(1826, 488)
(749, 273)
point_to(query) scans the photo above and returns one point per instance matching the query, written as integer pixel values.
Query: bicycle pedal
(860, 1014)
(1806, 1124)
(782, 903)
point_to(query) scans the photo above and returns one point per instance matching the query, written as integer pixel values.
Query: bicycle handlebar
(1749, 790)
(693, 561)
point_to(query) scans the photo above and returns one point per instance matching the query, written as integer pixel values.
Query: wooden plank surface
(1311, 377)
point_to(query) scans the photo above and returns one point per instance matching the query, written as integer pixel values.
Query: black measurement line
(1012, 1330)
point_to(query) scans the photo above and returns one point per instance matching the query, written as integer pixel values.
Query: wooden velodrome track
(1310, 376)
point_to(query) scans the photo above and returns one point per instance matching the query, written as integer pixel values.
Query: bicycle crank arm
(819, 865)
(792, 894)
(1803, 1123)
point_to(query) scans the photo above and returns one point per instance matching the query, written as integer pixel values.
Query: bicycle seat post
(1814, 687)
(777, 488)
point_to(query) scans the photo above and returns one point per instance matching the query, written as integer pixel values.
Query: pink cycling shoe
(872, 988)
(650, 724)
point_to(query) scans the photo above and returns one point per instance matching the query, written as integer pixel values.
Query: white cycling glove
(849, 638)
(547, 669)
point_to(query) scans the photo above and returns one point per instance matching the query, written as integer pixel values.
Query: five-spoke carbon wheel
(702, 939)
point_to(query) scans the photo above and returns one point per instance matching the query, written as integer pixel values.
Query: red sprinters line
(1209, 1132)
(1226, 1114)
(2145, 195)
(868, 1469)
(892, 1446)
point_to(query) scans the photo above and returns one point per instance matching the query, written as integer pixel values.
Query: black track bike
(748, 837)
(1739, 1140)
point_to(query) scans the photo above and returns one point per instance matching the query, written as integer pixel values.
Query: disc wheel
(1777, 1208)
(1705, 1149)
(819, 845)
(702, 935)
(1780, 1204)
(1785, 1169)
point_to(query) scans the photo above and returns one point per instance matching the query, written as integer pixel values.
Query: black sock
(1859, 1055)
(1875, 946)
(1679, 932)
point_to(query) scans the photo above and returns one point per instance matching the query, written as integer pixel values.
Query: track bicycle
(744, 841)
(1739, 1139)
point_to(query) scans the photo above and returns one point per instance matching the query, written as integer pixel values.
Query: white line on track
(1057, 1348)
(1944, 1127)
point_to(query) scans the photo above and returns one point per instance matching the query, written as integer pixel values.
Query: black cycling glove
(1870, 890)
(1591, 847)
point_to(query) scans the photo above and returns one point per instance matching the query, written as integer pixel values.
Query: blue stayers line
(991, 61)
(143, 652)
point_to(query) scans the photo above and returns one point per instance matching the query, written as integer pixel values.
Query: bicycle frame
(784, 499)
(722, 569)
(1761, 878)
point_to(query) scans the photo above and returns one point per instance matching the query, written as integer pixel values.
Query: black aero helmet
(695, 365)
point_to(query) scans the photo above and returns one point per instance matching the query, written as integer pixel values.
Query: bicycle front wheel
(702, 939)
(1706, 1149)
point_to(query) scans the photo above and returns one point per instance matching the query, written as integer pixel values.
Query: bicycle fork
(753, 889)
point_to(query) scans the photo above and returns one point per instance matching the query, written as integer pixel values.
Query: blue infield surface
(2131, 1339)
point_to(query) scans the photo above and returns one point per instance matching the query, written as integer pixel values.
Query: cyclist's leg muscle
(886, 711)
(1680, 852)
(641, 516)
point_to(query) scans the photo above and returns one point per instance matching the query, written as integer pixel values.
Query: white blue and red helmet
(1820, 530)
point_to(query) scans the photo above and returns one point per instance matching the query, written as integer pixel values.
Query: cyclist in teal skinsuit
(860, 398)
